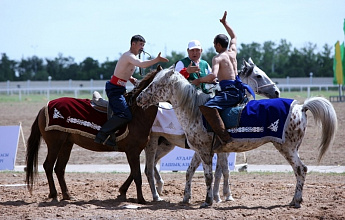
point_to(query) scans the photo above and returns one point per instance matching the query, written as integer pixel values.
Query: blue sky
(102, 29)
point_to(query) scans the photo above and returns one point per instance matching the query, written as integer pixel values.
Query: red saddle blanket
(76, 116)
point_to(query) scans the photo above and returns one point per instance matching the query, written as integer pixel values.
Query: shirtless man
(224, 67)
(116, 87)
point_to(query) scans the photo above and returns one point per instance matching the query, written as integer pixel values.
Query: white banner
(179, 160)
(9, 138)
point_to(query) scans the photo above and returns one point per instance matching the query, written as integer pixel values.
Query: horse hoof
(217, 199)
(71, 198)
(143, 202)
(158, 199)
(229, 198)
(205, 205)
(122, 197)
(186, 201)
(295, 205)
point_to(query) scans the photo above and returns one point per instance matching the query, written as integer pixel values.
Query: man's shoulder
(127, 57)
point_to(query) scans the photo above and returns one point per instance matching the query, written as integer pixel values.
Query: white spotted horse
(161, 143)
(186, 100)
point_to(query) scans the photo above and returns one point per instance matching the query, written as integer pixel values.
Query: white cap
(194, 44)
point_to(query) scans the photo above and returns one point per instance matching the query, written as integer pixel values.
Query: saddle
(101, 105)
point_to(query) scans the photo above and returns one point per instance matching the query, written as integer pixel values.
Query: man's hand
(133, 80)
(161, 59)
(223, 20)
(196, 82)
(192, 69)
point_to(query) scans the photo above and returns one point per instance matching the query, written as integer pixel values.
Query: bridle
(246, 71)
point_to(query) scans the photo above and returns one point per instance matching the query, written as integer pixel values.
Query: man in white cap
(193, 67)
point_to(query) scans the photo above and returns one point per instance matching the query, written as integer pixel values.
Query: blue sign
(180, 158)
(9, 138)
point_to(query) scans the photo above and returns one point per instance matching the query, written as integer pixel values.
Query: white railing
(305, 87)
(48, 91)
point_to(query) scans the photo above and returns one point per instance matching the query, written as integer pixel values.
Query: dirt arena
(257, 195)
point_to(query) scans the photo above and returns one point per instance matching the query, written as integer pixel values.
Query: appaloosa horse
(161, 144)
(60, 143)
(169, 85)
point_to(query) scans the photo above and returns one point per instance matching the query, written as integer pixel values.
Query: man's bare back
(226, 64)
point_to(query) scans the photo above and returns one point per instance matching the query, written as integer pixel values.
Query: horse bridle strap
(246, 71)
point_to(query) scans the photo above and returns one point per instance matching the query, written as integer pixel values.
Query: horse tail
(323, 112)
(32, 148)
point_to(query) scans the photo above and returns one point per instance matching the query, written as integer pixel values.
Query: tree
(89, 69)
(107, 69)
(268, 57)
(208, 55)
(282, 55)
(28, 68)
(252, 50)
(325, 62)
(7, 68)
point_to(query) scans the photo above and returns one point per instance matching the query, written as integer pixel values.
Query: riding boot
(109, 127)
(213, 118)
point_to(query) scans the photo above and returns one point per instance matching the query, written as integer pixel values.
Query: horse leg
(164, 148)
(134, 163)
(150, 152)
(222, 161)
(206, 159)
(217, 178)
(123, 189)
(60, 167)
(300, 170)
(54, 147)
(194, 164)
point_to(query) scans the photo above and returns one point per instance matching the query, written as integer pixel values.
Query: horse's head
(258, 80)
(131, 96)
(157, 91)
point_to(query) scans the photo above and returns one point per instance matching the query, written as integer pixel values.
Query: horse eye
(259, 76)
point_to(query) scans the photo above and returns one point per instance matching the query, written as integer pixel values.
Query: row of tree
(277, 60)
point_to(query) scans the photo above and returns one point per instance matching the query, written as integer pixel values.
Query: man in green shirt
(193, 67)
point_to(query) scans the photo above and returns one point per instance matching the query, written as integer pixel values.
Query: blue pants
(232, 93)
(117, 101)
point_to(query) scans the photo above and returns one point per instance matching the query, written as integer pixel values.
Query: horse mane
(132, 95)
(189, 98)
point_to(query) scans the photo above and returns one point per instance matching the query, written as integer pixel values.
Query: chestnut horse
(60, 145)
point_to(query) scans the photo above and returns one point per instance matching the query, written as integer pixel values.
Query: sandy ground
(257, 195)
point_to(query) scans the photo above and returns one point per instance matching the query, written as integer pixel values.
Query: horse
(60, 143)
(161, 144)
(185, 99)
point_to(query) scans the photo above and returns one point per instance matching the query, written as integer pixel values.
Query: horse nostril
(277, 93)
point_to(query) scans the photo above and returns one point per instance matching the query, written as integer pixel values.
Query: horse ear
(159, 68)
(245, 64)
(250, 61)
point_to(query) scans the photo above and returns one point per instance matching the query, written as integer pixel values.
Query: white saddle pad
(166, 121)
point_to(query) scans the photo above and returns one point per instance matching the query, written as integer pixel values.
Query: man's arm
(147, 63)
(211, 76)
(231, 32)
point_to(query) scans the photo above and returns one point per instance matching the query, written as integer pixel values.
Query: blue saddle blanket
(266, 118)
